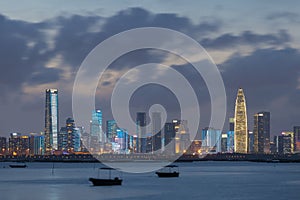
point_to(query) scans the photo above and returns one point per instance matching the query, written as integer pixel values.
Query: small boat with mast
(106, 181)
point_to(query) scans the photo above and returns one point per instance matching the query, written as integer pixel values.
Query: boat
(108, 181)
(168, 171)
(18, 166)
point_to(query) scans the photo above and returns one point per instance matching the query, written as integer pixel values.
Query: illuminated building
(51, 121)
(141, 132)
(169, 133)
(240, 124)
(297, 138)
(251, 142)
(230, 136)
(224, 142)
(262, 132)
(96, 135)
(122, 141)
(278, 143)
(37, 144)
(156, 131)
(63, 139)
(211, 140)
(19, 144)
(182, 136)
(3, 145)
(111, 130)
(288, 142)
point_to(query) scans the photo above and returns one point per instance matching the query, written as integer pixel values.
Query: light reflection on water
(198, 180)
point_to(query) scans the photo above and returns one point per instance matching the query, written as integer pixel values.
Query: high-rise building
(37, 144)
(182, 136)
(211, 140)
(250, 142)
(169, 133)
(156, 131)
(240, 124)
(262, 132)
(297, 138)
(230, 136)
(141, 132)
(224, 142)
(63, 139)
(97, 138)
(51, 121)
(288, 141)
(111, 130)
(278, 142)
(3, 145)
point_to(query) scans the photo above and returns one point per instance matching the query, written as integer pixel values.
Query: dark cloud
(270, 81)
(246, 38)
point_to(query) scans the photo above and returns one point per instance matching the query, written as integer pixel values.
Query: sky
(255, 45)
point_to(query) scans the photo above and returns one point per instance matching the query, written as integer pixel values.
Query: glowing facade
(240, 124)
(51, 120)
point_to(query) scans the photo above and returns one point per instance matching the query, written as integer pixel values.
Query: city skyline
(48, 59)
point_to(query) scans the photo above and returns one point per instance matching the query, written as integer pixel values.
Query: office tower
(156, 131)
(111, 130)
(251, 142)
(230, 136)
(224, 142)
(141, 132)
(37, 144)
(262, 132)
(51, 121)
(3, 145)
(169, 132)
(278, 142)
(122, 140)
(240, 124)
(63, 139)
(297, 138)
(97, 138)
(177, 135)
(288, 142)
(211, 140)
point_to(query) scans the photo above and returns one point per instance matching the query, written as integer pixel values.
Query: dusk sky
(255, 44)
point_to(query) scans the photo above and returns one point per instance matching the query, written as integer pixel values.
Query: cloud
(284, 15)
(229, 40)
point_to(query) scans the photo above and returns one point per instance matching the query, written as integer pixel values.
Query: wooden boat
(168, 171)
(108, 181)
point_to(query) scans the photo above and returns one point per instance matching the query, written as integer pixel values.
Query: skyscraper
(230, 136)
(111, 130)
(211, 139)
(169, 132)
(156, 131)
(262, 132)
(141, 132)
(97, 137)
(297, 138)
(240, 124)
(51, 120)
(288, 141)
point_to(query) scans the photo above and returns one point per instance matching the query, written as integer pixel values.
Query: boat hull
(167, 174)
(17, 166)
(105, 182)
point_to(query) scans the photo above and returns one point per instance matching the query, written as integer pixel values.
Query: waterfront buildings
(240, 124)
(169, 133)
(51, 121)
(230, 136)
(3, 145)
(297, 138)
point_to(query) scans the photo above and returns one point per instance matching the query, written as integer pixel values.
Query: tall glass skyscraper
(156, 131)
(51, 120)
(240, 124)
(141, 132)
(262, 132)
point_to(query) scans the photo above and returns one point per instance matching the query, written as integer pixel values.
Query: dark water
(199, 180)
